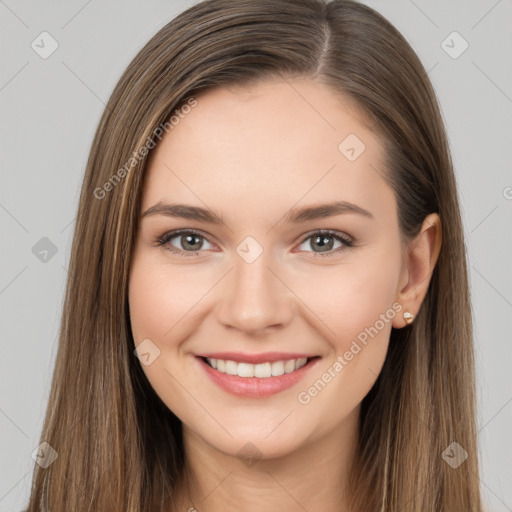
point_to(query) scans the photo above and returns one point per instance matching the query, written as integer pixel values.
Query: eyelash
(164, 240)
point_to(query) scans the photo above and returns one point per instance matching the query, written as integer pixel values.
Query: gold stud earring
(408, 317)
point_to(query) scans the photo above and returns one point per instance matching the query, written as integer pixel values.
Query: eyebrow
(294, 216)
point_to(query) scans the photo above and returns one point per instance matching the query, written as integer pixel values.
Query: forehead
(268, 145)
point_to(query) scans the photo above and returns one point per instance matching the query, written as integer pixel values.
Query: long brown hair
(119, 447)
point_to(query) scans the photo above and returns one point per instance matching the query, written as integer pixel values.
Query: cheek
(351, 297)
(159, 298)
(161, 303)
(357, 306)
(356, 303)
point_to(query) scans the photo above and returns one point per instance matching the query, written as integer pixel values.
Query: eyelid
(343, 238)
(163, 241)
(330, 232)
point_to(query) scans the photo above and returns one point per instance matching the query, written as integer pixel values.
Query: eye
(324, 241)
(190, 243)
(187, 241)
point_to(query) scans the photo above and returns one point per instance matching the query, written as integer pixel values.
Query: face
(277, 284)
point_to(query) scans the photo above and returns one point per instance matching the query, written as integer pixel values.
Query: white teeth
(289, 366)
(277, 368)
(245, 370)
(301, 362)
(262, 370)
(231, 368)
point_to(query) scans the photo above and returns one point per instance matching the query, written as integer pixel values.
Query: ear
(420, 259)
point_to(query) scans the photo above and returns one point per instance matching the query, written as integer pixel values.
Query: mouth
(261, 370)
(254, 380)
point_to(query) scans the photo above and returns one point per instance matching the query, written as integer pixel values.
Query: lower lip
(256, 387)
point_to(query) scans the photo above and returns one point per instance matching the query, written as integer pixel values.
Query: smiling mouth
(261, 370)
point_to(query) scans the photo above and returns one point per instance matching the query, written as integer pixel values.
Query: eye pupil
(322, 242)
(186, 238)
(193, 243)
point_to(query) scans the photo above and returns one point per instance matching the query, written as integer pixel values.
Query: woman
(268, 306)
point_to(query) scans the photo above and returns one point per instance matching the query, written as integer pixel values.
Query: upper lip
(265, 357)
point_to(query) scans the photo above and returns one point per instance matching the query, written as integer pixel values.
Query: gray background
(50, 108)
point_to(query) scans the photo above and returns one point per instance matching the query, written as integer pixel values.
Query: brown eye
(190, 242)
(323, 243)
(182, 242)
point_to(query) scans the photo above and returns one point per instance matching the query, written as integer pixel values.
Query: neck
(314, 477)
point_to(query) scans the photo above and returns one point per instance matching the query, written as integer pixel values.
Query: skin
(250, 155)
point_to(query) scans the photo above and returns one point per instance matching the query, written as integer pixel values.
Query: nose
(255, 298)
